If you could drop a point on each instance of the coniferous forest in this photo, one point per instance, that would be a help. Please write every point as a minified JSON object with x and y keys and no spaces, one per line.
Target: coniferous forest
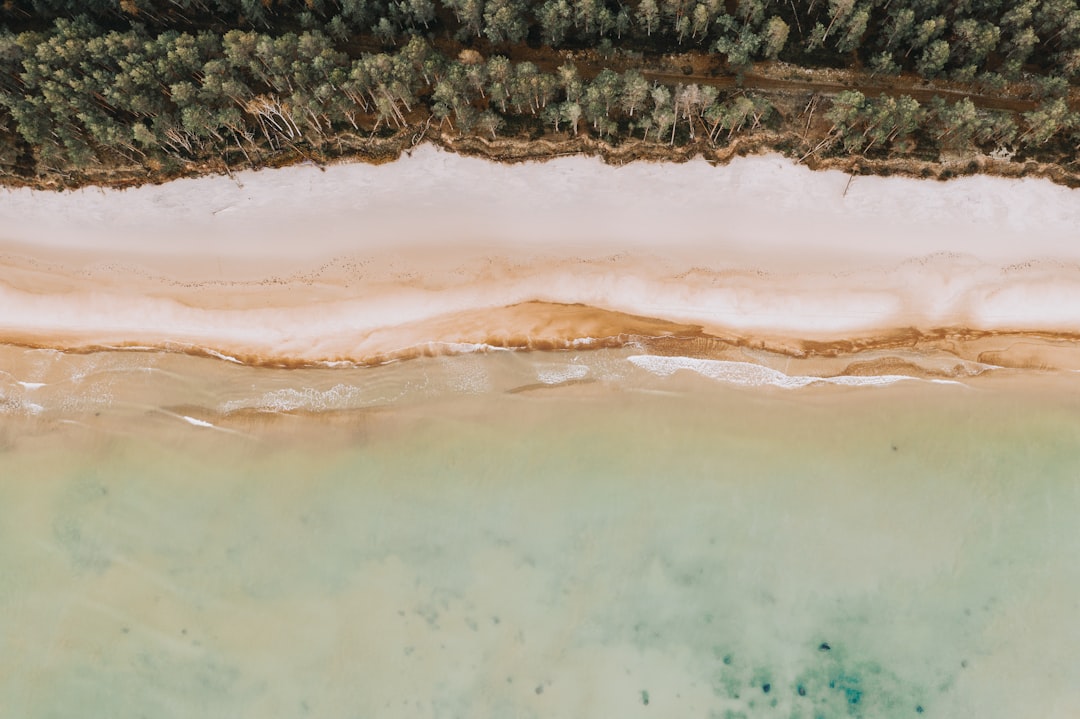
{"x":128,"y":91}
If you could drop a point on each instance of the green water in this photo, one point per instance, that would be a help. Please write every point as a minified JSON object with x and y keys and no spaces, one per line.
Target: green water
{"x":678,"y":548}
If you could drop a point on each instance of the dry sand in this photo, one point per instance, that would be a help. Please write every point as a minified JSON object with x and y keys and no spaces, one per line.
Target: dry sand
{"x":365,"y":263}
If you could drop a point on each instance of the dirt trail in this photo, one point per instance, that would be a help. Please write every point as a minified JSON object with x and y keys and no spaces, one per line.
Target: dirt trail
{"x":709,"y":69}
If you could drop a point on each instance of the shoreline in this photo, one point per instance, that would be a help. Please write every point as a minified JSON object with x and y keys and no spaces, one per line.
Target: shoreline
{"x":112,"y":392}
{"x":363,"y":264}
{"x":939,"y":353}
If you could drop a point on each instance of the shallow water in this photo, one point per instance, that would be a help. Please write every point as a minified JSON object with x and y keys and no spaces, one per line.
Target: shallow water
{"x":532,"y":534}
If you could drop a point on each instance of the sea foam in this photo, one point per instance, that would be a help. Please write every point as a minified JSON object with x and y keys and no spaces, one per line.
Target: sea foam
{"x":340,"y":396}
{"x":557,"y":374}
{"x":748,"y":374}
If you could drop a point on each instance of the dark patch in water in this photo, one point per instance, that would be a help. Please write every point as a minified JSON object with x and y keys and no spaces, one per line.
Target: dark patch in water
{"x":831,"y":684}
{"x":841,"y":686}
{"x":645,"y":697}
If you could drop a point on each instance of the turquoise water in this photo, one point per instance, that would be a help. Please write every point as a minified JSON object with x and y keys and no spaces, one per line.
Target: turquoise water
{"x":420,"y":541}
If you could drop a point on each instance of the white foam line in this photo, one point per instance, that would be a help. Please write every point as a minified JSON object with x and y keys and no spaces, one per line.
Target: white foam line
{"x":558,"y":375}
{"x":748,"y":374}
{"x":340,"y":396}
{"x":456,"y":348}
{"x":448,"y":349}
{"x":220,"y":355}
{"x":172,"y":347}
{"x":194,"y":422}
{"x":14,"y":405}
{"x":130,"y":348}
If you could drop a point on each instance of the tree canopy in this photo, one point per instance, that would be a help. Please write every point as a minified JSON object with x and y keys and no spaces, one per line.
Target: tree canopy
{"x":169,"y":83}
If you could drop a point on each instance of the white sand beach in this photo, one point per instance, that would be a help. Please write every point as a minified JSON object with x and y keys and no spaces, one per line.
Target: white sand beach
{"x":360,"y":262}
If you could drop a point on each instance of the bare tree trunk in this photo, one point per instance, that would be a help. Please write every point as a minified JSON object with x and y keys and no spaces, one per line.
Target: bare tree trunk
{"x":817,"y":147}
{"x":241,"y":148}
